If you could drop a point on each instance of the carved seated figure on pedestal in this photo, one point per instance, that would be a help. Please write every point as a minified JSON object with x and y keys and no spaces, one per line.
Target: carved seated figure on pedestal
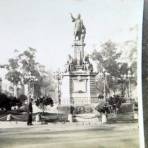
{"x":91,"y":67}
{"x":67,"y":67}
{"x":87,"y":65}
{"x":69,"y":64}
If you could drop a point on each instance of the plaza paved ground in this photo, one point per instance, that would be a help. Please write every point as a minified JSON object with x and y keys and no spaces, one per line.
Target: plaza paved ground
{"x":68,"y":135}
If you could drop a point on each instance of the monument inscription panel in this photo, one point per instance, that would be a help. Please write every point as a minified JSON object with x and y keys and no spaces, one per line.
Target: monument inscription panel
{"x":79,"y":86}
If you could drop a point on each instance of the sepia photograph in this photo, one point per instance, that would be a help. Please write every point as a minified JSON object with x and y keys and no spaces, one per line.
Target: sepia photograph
{"x":70,"y":74}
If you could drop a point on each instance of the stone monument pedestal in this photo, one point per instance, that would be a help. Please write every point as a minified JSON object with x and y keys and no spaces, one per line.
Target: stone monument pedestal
{"x":78,"y":88}
{"x":78,"y":83}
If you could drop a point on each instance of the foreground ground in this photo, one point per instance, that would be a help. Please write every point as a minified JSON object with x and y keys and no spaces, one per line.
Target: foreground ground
{"x":121,"y":135}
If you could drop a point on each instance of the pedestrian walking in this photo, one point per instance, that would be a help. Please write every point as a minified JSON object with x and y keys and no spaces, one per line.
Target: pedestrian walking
{"x":29,"y":111}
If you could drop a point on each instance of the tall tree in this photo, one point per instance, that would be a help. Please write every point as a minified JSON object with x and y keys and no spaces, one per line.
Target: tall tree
{"x":29,"y":69}
{"x":13,"y":75}
{"x":24,"y":69}
{"x":108,"y":64}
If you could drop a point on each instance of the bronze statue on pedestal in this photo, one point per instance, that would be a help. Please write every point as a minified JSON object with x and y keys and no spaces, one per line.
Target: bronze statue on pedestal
{"x":79,"y":28}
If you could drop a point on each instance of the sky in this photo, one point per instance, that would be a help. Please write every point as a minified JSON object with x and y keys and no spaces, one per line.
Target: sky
{"x":46,"y":26}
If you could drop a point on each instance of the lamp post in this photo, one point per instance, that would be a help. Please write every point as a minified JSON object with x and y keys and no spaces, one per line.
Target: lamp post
{"x":58,"y":76}
{"x":129,"y":76}
{"x":124,"y":79}
{"x":31,"y":79}
{"x":104,"y":87}
{"x":105,"y":74}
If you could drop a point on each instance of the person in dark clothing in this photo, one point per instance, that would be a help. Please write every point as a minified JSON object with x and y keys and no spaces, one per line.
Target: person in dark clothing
{"x":30,"y":110}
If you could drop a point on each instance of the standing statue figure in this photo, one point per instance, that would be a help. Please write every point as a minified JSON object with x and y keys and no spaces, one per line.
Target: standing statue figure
{"x":79,"y":28}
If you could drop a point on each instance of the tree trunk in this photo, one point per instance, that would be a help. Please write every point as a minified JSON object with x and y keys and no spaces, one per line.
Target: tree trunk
{"x":26,"y":90}
{"x":15,"y":91}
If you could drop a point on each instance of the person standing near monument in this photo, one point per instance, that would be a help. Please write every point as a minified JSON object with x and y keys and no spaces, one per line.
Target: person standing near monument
{"x":29,"y":111}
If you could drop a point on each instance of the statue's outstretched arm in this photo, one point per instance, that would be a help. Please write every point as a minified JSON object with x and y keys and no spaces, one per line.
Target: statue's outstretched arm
{"x":83,"y":27}
{"x":73,"y":19}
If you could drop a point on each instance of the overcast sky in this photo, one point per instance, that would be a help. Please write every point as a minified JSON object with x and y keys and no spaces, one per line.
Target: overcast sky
{"x":46,"y":26}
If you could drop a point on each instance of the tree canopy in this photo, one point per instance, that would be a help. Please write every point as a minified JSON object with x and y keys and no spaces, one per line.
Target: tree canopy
{"x":24,"y":69}
{"x":112,"y":67}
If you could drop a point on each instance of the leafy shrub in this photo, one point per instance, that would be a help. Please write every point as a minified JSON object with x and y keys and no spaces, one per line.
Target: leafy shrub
{"x":103,"y":107}
{"x":116,"y":101}
{"x":42,"y":102}
{"x":6,"y":102}
{"x":22,"y":98}
{"x":126,"y":107}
